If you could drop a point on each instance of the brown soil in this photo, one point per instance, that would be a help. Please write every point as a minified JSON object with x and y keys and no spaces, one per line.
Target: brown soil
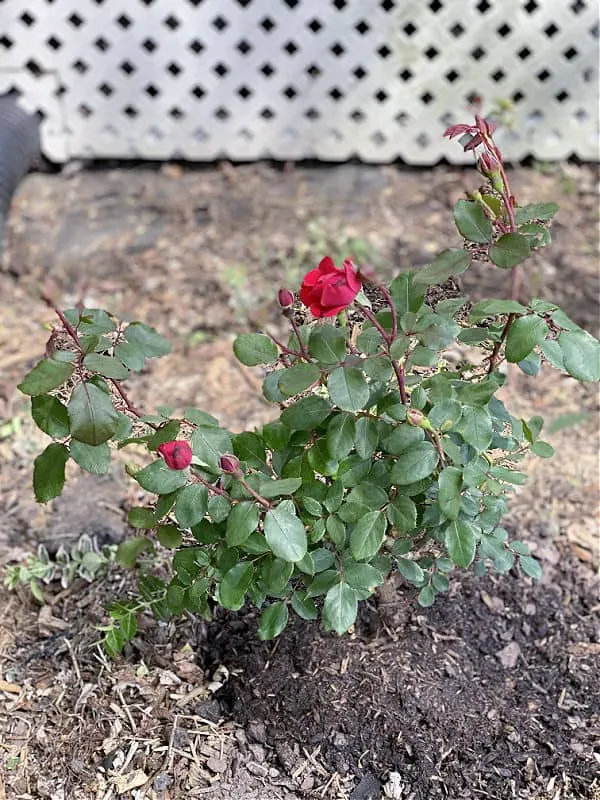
{"x":492,"y":693}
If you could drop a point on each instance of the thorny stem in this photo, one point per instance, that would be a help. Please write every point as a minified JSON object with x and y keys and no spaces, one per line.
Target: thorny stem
{"x":400,"y":377}
{"x":296,"y":329}
{"x":259,"y":498}
{"x":210,"y":486}
{"x":498,"y":344}
{"x":388,"y":338}
{"x":284,"y":350}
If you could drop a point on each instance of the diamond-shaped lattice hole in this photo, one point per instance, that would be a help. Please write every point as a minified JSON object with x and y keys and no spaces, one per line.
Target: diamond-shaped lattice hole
{"x":387,"y":5}
{"x":196,"y":46}
{"x":54,"y":43}
{"x":581,"y":115}
{"x":171,"y":22}
{"x":244,"y":133}
{"x":336,"y":94}
{"x":75,"y":20}
{"x":244,"y":3}
{"x":432,"y":53}
{"x":6,"y":42}
{"x":291,"y":47}
{"x":267,"y":24}
{"x":102,"y":44}
{"x":483,"y":6}
{"x":378,"y":138}
{"x":340,"y":5}
{"x":570,"y":53}
{"x":84,"y":110}
{"x":478,"y":53}
{"x":337,"y":49}
{"x":313,"y":71}
{"x":452,"y":76}
{"x":267,"y":113}
{"x":551,"y":30}
{"x":243,"y":46}
{"x":34,"y":68}
{"x":360,"y":73}
{"x":106,"y":89}
{"x":221,"y":69}
{"x":290,"y":92}
{"x":312,"y":114}
{"x":405,"y":75}
{"x":315,"y":25}
{"x":498,"y":75}
{"x":127,"y":67}
{"x":61,"y":91}
{"x":588,"y":75}
{"x":267,"y":70}
{"x":457,"y":30}
{"x":578,"y":6}
{"x":152,"y":90}
{"x":198,"y":92}
{"x":174,"y":69}
{"x":176,"y":113}
{"x":131,"y":112}
{"x":543,"y":75}
{"x":80,"y":66}
{"x":357,"y":115}
{"x":149,"y":45}
{"x":446,"y":120}
{"x":530,"y":6}
{"x":535,"y":117}
{"x":402,"y":119}
{"x":384,"y":51}
{"x":27,"y":19}
{"x":200,"y":135}
{"x":517,"y":96}
{"x":222,"y":113}
{"x":504,"y":30}
{"x":436,"y":6}
{"x":524,"y":53}
{"x":244,"y":92}
{"x":154,"y":135}
{"x":362,"y":27}
{"x":410,"y":29}
{"x":427,"y":98}
{"x":220,"y":23}
{"x":595,"y":31}
{"x":123,"y":21}
{"x":381,"y":96}
{"x":562,"y":96}
{"x":334,"y":134}
{"x":422,"y":140}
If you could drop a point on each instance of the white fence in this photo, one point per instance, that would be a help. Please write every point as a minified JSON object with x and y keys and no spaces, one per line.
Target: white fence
{"x":292,"y":79}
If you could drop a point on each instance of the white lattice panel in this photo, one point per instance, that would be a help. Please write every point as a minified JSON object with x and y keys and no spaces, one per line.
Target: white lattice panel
{"x":292,"y":79}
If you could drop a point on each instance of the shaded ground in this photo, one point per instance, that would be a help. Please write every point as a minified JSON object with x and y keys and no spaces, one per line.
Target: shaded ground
{"x":492,"y":693}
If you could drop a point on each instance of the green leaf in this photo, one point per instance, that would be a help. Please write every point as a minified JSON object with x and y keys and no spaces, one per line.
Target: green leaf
{"x":460,"y":543}
{"x":129,"y":550}
{"x":400,"y":438}
{"x":336,"y":531}
{"x":241,"y":522}
{"x":327,"y":344}
{"x":402,"y":514}
{"x":471,"y":222}
{"x":481,"y":392}
{"x":531,"y":364}
{"x":406,"y":295}
{"x":250,"y":447}
{"x":50,"y":415}
{"x":218,"y":508}
{"x":414,"y":464}
{"x":142,"y":518}
{"x":92,"y":416}
{"x":348,"y":388}
{"x":581,"y":355}
{"x":91,"y":458}
{"x":108,"y":366}
{"x":450,"y":484}
{"x":234,"y":585}
{"x":531,"y":567}
{"x":510,"y":250}
{"x":147,"y":339}
{"x":334,"y":497}
{"x":475,"y":427}
{"x":168,"y":536}
{"x":444,"y":266}
{"x":131,"y":355}
{"x":538,"y":235}
{"x":426,"y":596}
{"x":90,"y":321}
{"x":191,"y":505}
{"x":272,"y":621}
{"x":159,"y":479}
{"x":542,"y":449}
{"x":448,"y":411}
{"x":341,"y":432}
{"x":523,"y":335}
{"x":411,"y":571}
{"x":49,"y":472}
{"x":362,"y":576}
{"x":47,"y":374}
{"x":367,"y":535}
{"x":366,"y":436}
{"x":553,"y":353}
{"x":304,"y":606}
{"x":297,"y":378}
{"x":276,"y":435}
{"x":252,"y":349}
{"x":531,"y":211}
{"x":320,"y":460}
{"x":277,"y":488}
{"x":490,"y":308}
{"x":285,"y":533}
{"x":340,"y":607}
{"x":209,"y":443}
{"x":307,"y":413}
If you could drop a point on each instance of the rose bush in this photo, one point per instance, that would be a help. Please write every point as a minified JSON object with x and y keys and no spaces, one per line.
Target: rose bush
{"x":381,"y":456}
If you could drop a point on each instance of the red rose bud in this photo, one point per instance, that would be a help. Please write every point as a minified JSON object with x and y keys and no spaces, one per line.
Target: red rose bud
{"x":177,"y":454}
{"x":328,"y":290}
{"x":231,"y":465}
{"x":285,"y":298}
{"x":489,"y":166}
{"x":418,"y":419}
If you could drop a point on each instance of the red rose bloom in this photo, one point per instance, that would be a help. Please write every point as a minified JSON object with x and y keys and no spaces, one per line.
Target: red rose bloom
{"x":177,"y":454}
{"x":327,"y":290}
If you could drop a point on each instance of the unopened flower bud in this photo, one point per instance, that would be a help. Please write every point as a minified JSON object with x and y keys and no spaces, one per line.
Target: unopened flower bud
{"x":489,"y":166}
{"x":418,"y":419}
{"x":177,"y":454}
{"x":231,"y":465}
{"x":285,"y":298}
